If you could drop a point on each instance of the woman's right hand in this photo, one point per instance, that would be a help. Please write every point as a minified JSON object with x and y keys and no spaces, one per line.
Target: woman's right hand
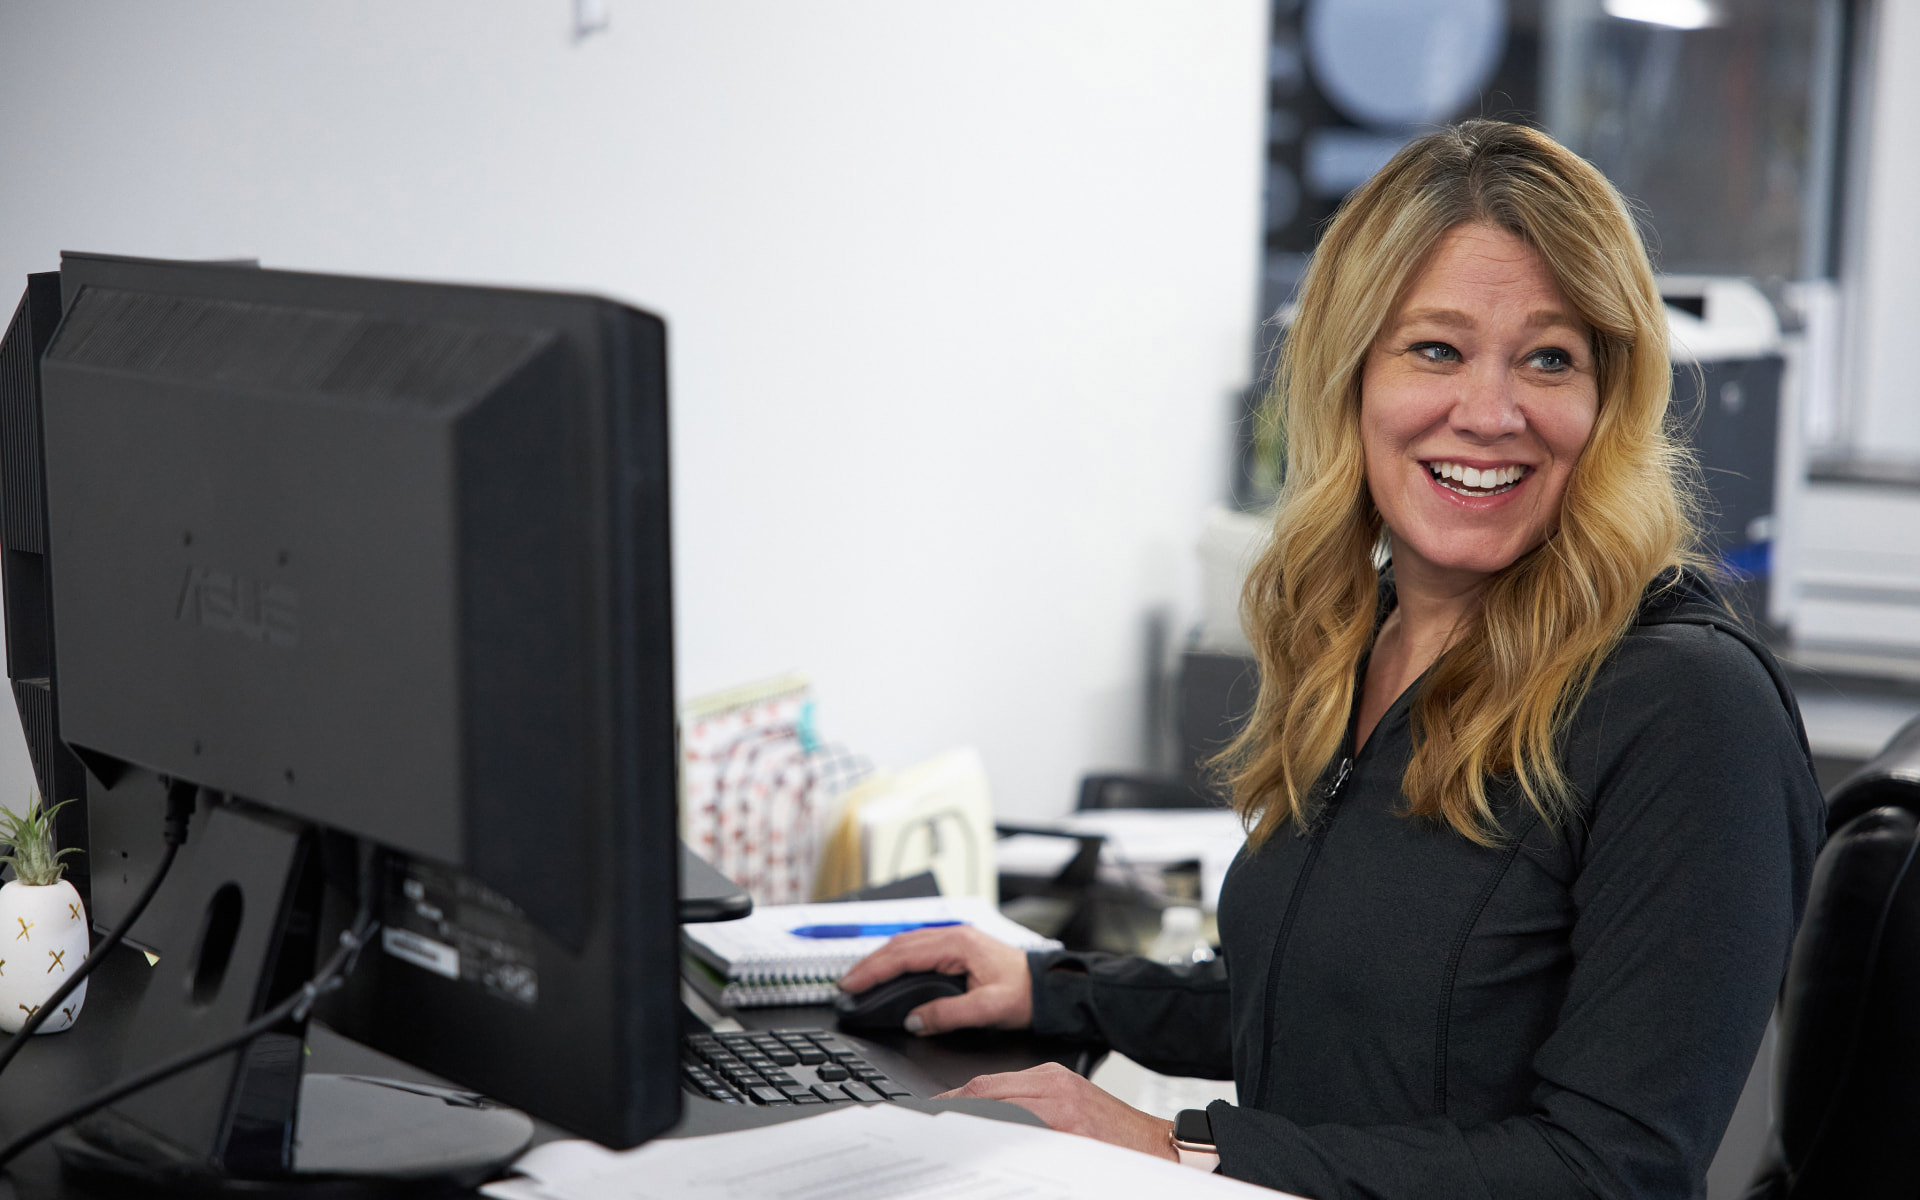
{"x":999,"y":992}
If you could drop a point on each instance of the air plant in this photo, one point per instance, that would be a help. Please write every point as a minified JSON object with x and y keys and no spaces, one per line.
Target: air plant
{"x":35,"y":862}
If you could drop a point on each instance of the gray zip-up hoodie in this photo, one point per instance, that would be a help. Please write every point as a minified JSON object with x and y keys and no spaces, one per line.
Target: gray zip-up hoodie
{"x":1573,"y":1013}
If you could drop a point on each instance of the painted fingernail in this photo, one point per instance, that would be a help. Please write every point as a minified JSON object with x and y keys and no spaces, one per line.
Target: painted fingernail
{"x":914,"y":1024}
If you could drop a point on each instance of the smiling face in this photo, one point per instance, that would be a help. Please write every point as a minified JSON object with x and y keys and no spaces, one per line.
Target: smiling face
{"x":1475,"y":402}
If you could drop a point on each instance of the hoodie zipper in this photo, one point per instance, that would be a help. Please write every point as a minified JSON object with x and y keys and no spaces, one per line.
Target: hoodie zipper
{"x":1331,"y":813}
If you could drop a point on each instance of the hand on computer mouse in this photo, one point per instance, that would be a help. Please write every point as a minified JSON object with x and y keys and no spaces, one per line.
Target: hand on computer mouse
{"x":999,"y":993}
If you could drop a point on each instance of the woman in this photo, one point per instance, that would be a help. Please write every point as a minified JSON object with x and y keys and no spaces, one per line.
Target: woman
{"x":1530,"y":820}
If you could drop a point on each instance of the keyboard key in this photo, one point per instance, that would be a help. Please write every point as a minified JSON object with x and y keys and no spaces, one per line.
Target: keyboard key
{"x":758,"y":1064}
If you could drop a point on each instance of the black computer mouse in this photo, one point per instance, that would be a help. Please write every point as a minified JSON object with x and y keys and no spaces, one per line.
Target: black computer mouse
{"x":886,"y":1005}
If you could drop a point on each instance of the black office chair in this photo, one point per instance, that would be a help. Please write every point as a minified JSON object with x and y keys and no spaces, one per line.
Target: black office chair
{"x":1121,"y":790}
{"x":1210,"y":699}
{"x":1847,"y":1076}
{"x":1893,"y":777}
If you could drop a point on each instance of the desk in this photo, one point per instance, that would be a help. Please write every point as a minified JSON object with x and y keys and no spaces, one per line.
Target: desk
{"x":61,"y":1068}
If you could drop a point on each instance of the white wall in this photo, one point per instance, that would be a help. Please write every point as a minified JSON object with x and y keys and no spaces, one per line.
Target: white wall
{"x":956,"y":292}
{"x":1884,"y":301}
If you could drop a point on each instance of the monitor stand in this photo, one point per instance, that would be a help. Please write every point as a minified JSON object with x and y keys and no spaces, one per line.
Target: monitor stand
{"x":354,"y":1137}
{"x":243,"y":921}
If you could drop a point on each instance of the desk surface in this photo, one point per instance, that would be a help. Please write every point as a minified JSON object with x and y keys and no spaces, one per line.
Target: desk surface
{"x":61,"y":1068}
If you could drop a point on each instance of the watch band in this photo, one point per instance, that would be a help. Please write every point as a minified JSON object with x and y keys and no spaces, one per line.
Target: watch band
{"x":1195,"y":1149}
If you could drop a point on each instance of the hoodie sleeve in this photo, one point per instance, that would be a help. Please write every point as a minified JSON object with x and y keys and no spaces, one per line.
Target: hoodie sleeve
{"x":1167,"y":1019}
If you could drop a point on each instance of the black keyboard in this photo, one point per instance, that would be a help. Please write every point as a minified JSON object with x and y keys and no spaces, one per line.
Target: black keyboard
{"x":790,"y":1066}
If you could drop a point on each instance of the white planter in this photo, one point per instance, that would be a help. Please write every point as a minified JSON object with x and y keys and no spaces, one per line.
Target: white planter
{"x":43,"y":936}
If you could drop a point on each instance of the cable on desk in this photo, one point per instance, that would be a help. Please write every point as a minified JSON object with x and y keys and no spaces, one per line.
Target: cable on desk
{"x":295,"y":1007}
{"x":180,"y":798}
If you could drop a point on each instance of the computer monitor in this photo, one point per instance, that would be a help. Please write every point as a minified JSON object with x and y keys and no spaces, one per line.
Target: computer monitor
{"x":373,"y":565}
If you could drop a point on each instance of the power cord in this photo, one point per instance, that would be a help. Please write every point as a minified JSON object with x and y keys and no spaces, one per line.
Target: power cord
{"x":295,"y":1007}
{"x":180,"y":798}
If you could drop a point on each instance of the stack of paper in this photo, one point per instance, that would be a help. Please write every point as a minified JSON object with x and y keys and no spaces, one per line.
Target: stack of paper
{"x":878,"y":1152}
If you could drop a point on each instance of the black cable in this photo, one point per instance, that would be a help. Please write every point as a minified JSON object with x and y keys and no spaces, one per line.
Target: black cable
{"x":296,"y":1007}
{"x":180,"y":798}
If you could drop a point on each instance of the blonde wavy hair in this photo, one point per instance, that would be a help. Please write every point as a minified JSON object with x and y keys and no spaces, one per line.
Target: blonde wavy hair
{"x":1495,"y":701}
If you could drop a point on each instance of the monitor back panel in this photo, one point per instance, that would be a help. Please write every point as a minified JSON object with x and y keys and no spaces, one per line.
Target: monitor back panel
{"x":392,"y":558}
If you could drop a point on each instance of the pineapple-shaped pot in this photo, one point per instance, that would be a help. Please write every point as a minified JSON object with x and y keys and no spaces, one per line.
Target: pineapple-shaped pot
{"x":43,"y":928}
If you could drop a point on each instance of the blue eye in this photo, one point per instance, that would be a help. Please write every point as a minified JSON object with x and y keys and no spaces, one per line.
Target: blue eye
{"x":1438,"y":352}
{"x":1551,"y":359}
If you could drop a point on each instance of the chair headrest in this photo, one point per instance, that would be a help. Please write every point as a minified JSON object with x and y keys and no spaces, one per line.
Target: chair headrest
{"x":1891,"y":779}
{"x":1847,"y":1076}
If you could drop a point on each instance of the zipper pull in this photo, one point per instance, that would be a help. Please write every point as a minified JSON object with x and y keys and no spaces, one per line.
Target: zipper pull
{"x":1329,"y":800}
{"x":1340,"y":780}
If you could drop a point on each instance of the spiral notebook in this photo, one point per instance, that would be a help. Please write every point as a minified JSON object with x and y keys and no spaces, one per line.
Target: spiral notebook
{"x":759,"y":961}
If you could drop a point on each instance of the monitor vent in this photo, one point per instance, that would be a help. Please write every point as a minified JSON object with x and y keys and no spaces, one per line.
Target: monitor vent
{"x":274,"y":348}
{"x":20,"y":434}
{"x":34,"y":699}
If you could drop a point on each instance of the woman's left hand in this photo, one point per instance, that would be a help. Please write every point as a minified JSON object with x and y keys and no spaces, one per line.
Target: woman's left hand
{"x":1072,"y":1104}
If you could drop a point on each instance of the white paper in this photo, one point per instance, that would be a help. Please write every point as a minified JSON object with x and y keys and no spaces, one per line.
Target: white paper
{"x":879,"y":1152}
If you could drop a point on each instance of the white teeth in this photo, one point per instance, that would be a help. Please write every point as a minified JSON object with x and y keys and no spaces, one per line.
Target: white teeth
{"x":1492,"y":479}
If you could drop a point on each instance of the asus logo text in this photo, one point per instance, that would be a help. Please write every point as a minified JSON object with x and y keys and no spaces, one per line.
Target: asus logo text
{"x":226,"y":602}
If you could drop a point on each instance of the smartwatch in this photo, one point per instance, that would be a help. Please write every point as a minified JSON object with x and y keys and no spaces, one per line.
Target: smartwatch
{"x":1192,"y":1139}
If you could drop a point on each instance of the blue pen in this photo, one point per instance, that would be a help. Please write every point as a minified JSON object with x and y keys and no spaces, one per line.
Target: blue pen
{"x":853,"y":931}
